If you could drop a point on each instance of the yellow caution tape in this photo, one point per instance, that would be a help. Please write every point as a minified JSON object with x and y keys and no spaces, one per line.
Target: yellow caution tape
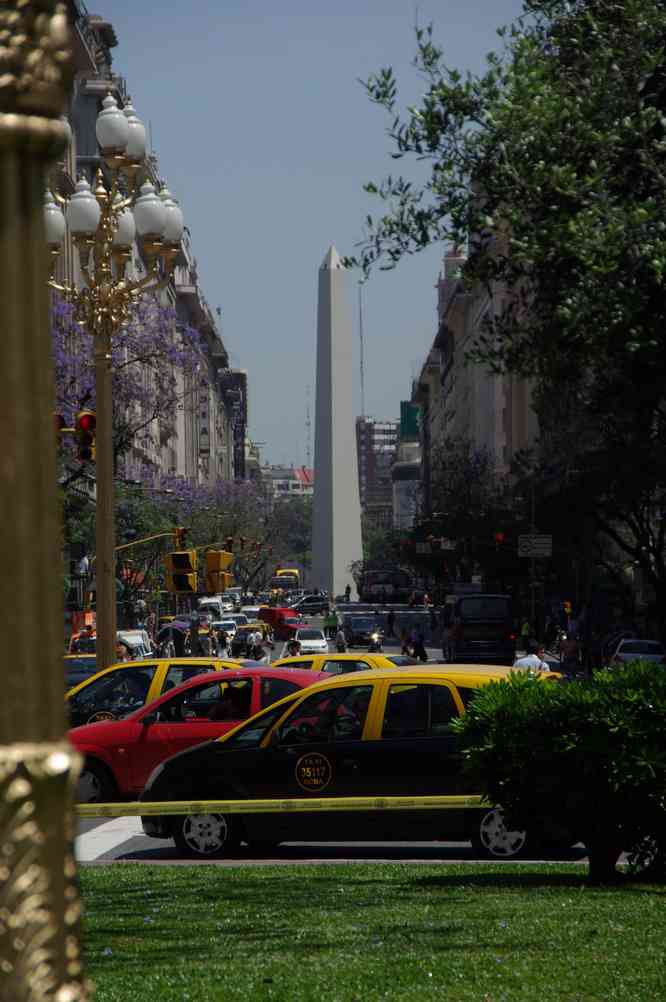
{"x":334,"y":804}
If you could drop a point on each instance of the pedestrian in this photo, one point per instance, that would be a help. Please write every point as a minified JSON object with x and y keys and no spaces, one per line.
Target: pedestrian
{"x":404,"y":642}
{"x":390,"y":624}
{"x":525,"y":632}
{"x":193,"y":641}
{"x":222,"y":644}
{"x":418,"y":646}
{"x":330,"y":623}
{"x":291,"y":649}
{"x":340,"y":641}
{"x":534,"y":659}
{"x":347,"y":593}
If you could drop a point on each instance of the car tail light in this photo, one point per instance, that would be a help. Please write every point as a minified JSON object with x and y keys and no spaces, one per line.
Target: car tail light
{"x":511,"y":636}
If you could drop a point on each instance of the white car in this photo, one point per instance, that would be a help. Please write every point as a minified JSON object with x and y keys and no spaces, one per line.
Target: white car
{"x":228,"y":625}
{"x":312,"y":641}
{"x":251,"y":611}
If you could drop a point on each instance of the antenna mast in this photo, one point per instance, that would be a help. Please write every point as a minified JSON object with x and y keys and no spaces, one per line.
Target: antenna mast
{"x":308,"y":429}
{"x":360,"y":333}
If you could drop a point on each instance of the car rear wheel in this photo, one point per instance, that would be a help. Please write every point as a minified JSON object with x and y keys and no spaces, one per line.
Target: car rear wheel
{"x":96,"y":784}
{"x":492,"y":839}
{"x":205,"y":836}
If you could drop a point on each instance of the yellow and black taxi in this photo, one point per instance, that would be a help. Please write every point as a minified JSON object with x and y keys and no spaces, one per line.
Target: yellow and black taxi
{"x":340,"y":664}
{"x":377,"y":733}
{"x":123,"y":688}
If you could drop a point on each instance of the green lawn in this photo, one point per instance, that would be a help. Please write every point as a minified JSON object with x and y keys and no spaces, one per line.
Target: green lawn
{"x":359,"y":933}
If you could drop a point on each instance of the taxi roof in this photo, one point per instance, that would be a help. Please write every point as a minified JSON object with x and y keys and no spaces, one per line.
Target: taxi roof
{"x":232,"y":663}
{"x":459,"y":674}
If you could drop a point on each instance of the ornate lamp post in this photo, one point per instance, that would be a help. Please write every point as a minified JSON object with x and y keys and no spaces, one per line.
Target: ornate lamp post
{"x":104,"y":224}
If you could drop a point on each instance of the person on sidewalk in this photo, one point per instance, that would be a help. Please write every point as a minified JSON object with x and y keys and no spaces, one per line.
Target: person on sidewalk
{"x":534,"y":659}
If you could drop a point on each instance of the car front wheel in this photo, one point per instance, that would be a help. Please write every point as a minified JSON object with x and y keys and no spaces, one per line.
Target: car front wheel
{"x":96,"y":785}
{"x":492,"y":839}
{"x":205,"y":836}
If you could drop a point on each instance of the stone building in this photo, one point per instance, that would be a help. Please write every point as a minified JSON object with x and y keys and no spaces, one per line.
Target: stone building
{"x":201,"y":437}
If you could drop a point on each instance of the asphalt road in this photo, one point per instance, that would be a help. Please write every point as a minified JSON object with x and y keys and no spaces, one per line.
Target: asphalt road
{"x":103,"y":841}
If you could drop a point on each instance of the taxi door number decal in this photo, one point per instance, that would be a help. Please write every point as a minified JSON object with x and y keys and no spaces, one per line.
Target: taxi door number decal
{"x":313,"y":772}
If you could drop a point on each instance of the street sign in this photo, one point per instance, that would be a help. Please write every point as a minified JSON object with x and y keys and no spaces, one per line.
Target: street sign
{"x":535,"y":546}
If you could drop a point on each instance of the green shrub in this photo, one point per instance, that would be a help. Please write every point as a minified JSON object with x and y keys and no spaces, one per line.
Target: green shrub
{"x":582,"y":760}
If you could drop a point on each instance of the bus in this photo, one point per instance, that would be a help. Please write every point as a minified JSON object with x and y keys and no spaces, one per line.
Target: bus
{"x":286,"y":579}
{"x":392,"y":584}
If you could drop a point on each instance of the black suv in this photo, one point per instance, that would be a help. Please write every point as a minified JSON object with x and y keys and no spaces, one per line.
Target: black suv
{"x":480,"y":630}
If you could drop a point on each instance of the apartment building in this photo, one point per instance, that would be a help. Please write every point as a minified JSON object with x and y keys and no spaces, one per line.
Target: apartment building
{"x":376,"y":444}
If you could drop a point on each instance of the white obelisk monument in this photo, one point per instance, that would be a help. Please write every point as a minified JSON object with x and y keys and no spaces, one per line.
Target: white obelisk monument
{"x":336,"y":525}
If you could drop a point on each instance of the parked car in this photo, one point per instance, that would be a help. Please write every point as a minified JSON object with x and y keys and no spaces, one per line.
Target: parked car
{"x":632,"y":649}
{"x":119,"y":755}
{"x":312,"y":641}
{"x":311,"y":604}
{"x":123,"y":688}
{"x":372,"y":734}
{"x":340,"y":664}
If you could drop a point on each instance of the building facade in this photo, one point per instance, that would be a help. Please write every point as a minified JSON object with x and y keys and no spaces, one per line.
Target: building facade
{"x":199,"y":435}
{"x":376,"y":443}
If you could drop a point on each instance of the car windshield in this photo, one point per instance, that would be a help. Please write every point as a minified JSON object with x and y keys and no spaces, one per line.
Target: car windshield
{"x":493,"y":607}
{"x":641,"y":647}
{"x":252,"y":734}
{"x":310,"y":635}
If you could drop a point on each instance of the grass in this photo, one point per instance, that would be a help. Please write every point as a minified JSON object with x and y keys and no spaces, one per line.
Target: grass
{"x":360,"y":933}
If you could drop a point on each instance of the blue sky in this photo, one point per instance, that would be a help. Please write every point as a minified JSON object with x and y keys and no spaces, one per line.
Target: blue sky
{"x":266,"y":137}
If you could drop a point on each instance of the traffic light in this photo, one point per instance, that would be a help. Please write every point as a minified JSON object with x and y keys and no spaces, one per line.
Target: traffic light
{"x":181,"y":572}
{"x":567,"y":607}
{"x":179,"y":537}
{"x":218,"y":563}
{"x":85,"y":428}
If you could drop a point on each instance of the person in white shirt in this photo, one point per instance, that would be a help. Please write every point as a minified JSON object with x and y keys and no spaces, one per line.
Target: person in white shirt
{"x":533,"y":660}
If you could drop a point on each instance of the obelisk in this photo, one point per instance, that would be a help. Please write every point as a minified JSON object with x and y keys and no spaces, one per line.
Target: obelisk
{"x":336,"y":524}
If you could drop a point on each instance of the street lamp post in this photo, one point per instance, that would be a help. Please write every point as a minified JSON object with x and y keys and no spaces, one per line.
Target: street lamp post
{"x":104,"y":223}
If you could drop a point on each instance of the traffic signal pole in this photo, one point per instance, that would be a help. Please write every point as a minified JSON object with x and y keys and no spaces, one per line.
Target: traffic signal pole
{"x":105,"y":563}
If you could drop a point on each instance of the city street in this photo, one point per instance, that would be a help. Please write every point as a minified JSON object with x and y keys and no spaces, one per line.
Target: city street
{"x":122,"y":840}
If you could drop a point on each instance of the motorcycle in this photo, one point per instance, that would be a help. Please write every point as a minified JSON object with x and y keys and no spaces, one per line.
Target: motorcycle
{"x":376,"y":640}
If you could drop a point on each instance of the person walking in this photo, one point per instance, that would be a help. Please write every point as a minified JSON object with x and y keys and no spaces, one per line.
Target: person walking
{"x":330,"y":623}
{"x":534,"y":659}
{"x":340,"y":641}
{"x":419,"y":646}
{"x":404,"y":642}
{"x":347,"y":593}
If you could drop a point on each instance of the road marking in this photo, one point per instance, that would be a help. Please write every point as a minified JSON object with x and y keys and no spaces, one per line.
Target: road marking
{"x":102,"y":839}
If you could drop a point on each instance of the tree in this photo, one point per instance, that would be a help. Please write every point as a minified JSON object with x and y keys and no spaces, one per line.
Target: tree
{"x":154,"y":362}
{"x":550,"y":166}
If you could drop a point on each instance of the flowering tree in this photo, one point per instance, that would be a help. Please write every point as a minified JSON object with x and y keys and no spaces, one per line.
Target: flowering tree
{"x":153,"y":362}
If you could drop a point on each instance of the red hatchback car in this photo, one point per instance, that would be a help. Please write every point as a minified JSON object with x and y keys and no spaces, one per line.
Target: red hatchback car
{"x":121,"y":754}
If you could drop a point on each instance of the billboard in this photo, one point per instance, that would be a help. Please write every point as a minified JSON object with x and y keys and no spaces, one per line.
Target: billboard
{"x":410,"y":421}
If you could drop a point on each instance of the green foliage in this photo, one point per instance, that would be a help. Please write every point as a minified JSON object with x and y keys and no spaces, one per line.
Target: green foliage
{"x":589,"y":756}
{"x":549,"y":166}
